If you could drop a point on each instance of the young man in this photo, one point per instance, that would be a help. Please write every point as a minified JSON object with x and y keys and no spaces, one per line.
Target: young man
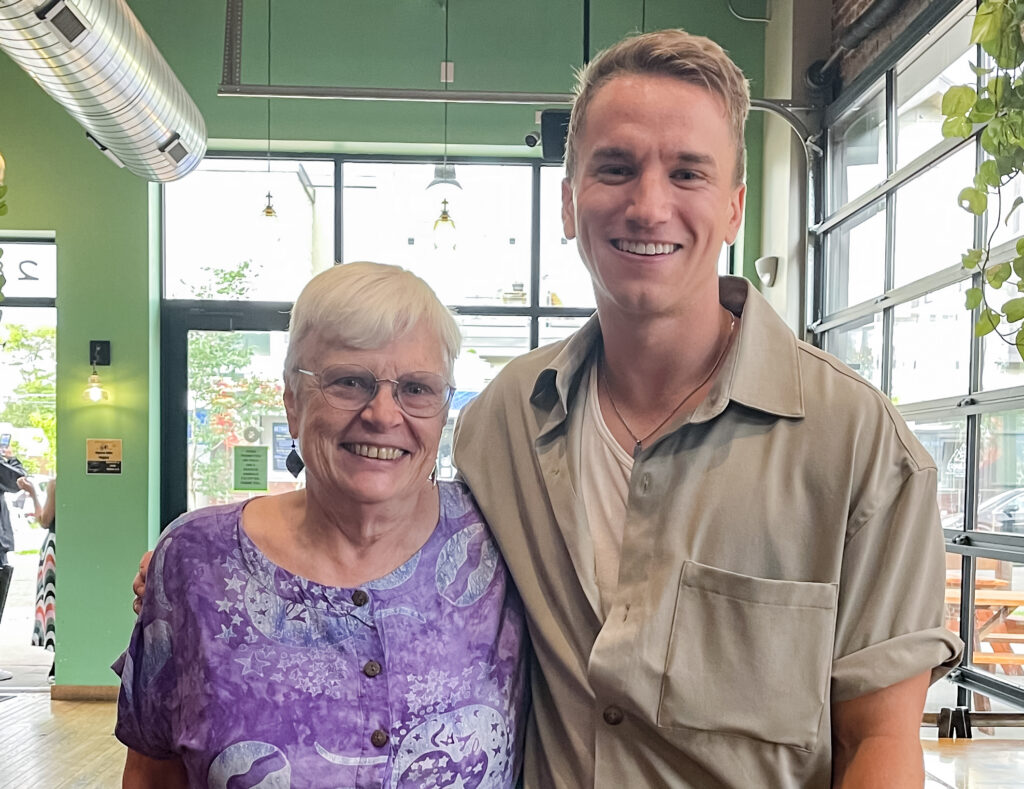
{"x":727,"y":543}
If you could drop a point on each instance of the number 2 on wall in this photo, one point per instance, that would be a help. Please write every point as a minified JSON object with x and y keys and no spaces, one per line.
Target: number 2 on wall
{"x":26,"y":275}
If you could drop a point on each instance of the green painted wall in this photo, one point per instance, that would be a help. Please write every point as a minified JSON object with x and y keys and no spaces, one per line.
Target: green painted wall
{"x":106,"y":221}
{"x":98,"y":214}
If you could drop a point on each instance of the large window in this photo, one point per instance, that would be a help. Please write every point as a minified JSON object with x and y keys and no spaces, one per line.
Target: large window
{"x":890,"y":302}
{"x":215,"y":224}
{"x":231,"y":273}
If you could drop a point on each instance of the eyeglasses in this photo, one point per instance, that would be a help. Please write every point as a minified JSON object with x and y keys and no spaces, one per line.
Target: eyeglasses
{"x":352,"y":387}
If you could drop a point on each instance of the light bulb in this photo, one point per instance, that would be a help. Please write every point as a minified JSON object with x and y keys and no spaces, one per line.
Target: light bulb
{"x":95,"y":392}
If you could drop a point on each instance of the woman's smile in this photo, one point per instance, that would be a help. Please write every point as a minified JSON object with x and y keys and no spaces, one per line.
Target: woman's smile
{"x":375,"y":452}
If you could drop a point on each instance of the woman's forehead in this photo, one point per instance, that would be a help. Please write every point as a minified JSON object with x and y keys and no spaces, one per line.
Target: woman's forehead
{"x":417,"y":346}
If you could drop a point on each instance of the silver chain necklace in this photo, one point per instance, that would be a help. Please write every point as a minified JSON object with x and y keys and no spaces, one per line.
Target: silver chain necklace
{"x":638,"y":442}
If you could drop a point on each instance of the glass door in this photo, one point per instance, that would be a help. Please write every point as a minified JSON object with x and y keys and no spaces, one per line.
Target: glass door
{"x":237,"y":434}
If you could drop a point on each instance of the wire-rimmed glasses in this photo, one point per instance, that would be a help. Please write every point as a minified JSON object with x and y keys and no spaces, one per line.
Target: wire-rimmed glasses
{"x":352,"y":387}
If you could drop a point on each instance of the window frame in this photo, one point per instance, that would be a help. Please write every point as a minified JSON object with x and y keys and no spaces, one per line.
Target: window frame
{"x":974,"y":402}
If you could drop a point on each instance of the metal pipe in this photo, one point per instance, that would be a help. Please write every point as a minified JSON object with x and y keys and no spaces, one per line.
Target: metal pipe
{"x":877,"y":14}
{"x":766,"y":18}
{"x":94,"y":58}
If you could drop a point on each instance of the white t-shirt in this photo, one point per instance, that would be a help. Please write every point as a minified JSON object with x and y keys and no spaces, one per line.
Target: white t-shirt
{"x":605,"y":468}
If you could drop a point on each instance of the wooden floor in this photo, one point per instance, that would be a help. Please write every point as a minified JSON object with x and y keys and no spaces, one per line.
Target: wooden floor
{"x":979,"y":763}
{"x":69,"y":745}
{"x":58,"y":744}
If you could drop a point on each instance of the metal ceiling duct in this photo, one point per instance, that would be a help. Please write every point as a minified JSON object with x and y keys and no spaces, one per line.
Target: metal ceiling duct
{"x":95,"y":59}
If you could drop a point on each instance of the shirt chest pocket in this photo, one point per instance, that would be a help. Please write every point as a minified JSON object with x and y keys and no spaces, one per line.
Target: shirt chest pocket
{"x":748,"y":656}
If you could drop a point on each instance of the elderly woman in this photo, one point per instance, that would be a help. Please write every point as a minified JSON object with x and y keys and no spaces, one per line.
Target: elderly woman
{"x":360,"y":632}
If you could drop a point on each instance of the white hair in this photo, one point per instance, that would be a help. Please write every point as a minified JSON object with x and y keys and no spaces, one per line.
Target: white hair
{"x":367,"y":305}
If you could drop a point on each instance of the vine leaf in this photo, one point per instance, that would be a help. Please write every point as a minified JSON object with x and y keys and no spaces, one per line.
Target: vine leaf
{"x":958,"y":100}
{"x":1014,"y":309}
{"x":987,"y":322}
{"x":973,"y":298}
{"x":972,"y":257}
{"x":956,"y":127}
{"x":988,"y":174}
{"x":1020,"y":342}
{"x":988,"y":23}
{"x":973,"y":200}
{"x":1017,"y":203}
{"x":998,"y":274}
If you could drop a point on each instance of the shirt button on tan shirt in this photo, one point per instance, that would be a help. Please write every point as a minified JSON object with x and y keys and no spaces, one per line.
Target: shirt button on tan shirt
{"x":612,"y":715}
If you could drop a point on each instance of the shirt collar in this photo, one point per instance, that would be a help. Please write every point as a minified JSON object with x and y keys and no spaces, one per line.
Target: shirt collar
{"x":761,"y":371}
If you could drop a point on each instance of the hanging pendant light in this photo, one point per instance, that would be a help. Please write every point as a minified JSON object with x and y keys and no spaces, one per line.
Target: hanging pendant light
{"x":268,"y":210}
{"x":444,"y":229}
{"x":444,"y":173}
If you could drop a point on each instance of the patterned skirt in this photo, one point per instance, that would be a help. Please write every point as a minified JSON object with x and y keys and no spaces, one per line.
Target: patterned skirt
{"x":43,"y":631}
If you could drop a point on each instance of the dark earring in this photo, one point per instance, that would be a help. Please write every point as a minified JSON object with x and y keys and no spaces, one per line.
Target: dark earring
{"x":293,"y":462}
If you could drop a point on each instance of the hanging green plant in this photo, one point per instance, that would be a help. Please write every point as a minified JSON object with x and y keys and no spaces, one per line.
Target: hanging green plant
{"x":996,"y":104}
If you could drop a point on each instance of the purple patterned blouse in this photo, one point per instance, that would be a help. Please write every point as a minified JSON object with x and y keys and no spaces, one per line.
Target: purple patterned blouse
{"x":254,"y":676}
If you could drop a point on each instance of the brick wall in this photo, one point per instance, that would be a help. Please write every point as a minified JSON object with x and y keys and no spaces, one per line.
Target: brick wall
{"x":844,"y":12}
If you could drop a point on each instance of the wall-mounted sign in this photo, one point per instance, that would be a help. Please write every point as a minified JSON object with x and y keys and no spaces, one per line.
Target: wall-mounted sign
{"x":30,"y":269}
{"x":250,"y":467}
{"x":282,"y":442}
{"x":103,"y":456}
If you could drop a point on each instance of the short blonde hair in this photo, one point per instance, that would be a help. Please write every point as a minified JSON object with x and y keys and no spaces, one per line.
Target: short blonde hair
{"x":673,"y":53}
{"x":367,"y":305}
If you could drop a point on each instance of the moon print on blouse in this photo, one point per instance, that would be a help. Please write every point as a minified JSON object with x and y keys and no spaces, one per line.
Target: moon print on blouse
{"x":348,"y":761}
{"x":254,"y":763}
{"x":466,"y":747}
{"x":292,"y":623}
{"x":466,"y":565}
{"x":396,"y":577}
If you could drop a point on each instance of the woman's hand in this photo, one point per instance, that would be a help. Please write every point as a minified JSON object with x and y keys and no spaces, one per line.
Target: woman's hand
{"x":139,"y":582}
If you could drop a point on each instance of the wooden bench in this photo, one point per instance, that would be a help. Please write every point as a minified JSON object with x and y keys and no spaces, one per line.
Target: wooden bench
{"x":1005,"y":638}
{"x":998,"y":659}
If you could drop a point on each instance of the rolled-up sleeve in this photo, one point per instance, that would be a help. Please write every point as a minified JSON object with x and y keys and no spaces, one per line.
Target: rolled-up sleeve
{"x":890,"y":621}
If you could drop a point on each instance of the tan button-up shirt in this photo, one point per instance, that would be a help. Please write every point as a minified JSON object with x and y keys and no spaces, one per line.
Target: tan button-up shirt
{"x":782,"y":552}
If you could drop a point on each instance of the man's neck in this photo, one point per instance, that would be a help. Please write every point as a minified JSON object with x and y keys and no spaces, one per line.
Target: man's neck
{"x":664,"y":352}
{"x":656,"y":368}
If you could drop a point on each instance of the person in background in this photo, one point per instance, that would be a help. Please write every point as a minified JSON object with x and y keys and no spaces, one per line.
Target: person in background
{"x":44,"y":632}
{"x":361,"y":631}
{"x":12,"y":479}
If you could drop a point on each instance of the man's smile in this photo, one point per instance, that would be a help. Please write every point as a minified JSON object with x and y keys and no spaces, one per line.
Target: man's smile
{"x":645,"y":247}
